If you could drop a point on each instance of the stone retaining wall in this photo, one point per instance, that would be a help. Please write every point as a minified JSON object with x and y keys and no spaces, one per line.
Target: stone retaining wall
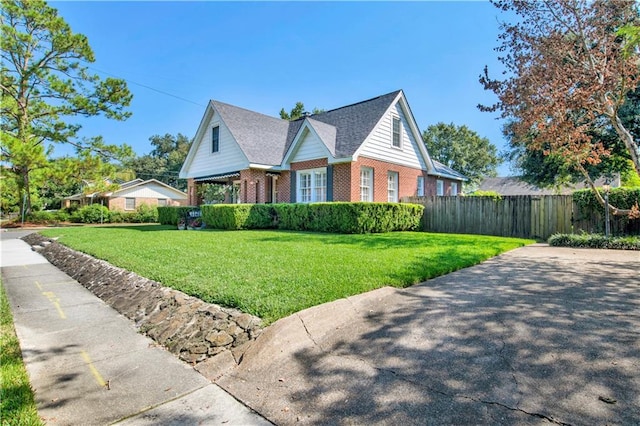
{"x":188,"y":327}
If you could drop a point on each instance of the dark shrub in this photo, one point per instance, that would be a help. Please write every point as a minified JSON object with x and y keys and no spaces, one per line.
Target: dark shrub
{"x":594,"y":241}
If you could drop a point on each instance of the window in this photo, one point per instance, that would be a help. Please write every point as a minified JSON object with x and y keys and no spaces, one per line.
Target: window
{"x":454,"y":188}
{"x":366,"y":184}
{"x":215,"y":139}
{"x":439,"y":188}
{"x":162,"y":202}
{"x":392,"y":187}
{"x":420,"y":186}
{"x":312,"y":185}
{"x":129,"y":203}
{"x":396,"y":140}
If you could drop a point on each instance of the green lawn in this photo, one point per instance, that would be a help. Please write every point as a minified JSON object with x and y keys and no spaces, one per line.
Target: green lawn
{"x":17,"y":406}
{"x":273,"y":274}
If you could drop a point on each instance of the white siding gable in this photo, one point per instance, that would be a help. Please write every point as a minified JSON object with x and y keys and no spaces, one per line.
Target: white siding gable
{"x":150,"y":190}
{"x":309,"y":147}
{"x":378,"y":143}
{"x":229,"y":157}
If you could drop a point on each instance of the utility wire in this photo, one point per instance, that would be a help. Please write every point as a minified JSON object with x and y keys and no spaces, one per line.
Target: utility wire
{"x":146,"y":87}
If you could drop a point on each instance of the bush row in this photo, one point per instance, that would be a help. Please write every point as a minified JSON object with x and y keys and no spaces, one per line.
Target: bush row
{"x":337,"y":217}
{"x":170,"y":215}
{"x":594,"y":241}
{"x":95,"y":213}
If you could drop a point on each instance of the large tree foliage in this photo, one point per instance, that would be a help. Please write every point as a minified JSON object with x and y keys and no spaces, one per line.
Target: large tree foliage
{"x":567,"y":71}
{"x":44,"y":85}
{"x":463,"y":150}
{"x":164,"y":161}
{"x":552,"y":170}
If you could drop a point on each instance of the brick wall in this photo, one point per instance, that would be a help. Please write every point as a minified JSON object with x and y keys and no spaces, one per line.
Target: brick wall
{"x":407,"y":179}
{"x":118,"y":203}
{"x":253,"y":186}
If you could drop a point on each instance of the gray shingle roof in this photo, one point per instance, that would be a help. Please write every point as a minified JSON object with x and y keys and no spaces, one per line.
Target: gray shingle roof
{"x":262,"y":138}
{"x":327,"y":133}
{"x":513,"y":185}
{"x":355,"y":122}
{"x":446,"y":171}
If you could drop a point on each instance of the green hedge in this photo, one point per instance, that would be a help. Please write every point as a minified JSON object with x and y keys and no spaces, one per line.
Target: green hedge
{"x":169,"y":215}
{"x":622,"y":198}
{"x":594,"y":241}
{"x":337,"y":217}
{"x":238,"y":216}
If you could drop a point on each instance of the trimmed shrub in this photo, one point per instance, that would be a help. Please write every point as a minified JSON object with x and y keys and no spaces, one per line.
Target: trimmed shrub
{"x":119,"y":216}
{"x":238,"y":216}
{"x":93,"y":213}
{"x":596,"y":241}
{"x":338,"y":217}
{"x":168,"y":215}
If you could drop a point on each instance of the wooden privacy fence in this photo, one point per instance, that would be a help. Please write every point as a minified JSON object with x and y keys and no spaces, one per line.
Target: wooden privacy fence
{"x":524,"y":216}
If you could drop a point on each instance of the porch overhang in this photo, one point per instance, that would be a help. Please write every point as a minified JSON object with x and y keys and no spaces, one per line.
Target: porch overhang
{"x":218,"y":178}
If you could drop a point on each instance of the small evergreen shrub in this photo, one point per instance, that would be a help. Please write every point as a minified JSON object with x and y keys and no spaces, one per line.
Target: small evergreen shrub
{"x":93,"y":213}
{"x":238,"y":216}
{"x":596,"y":241}
{"x":145,"y":214}
{"x":169,"y":215}
{"x":119,"y":216}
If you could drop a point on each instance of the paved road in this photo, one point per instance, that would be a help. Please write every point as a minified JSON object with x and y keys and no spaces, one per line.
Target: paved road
{"x":538,"y":335}
{"x":87,"y":363}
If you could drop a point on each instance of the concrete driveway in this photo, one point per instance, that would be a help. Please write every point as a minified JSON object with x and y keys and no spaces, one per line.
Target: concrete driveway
{"x":538,"y":335}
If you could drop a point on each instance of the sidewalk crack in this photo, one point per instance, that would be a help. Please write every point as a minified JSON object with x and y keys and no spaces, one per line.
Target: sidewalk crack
{"x":309,"y":334}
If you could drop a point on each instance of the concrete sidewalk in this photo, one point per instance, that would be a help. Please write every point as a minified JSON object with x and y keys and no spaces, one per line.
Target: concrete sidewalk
{"x":88,"y":365}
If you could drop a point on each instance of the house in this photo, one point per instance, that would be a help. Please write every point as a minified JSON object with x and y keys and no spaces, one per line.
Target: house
{"x":132,"y":194}
{"x":513,"y":185}
{"x":368,"y":151}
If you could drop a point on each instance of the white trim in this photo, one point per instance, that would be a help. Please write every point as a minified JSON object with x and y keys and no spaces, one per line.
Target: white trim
{"x":369,"y":193}
{"x":439,"y":188}
{"x":393,"y":198}
{"x":312,"y":173}
{"x":157,"y":182}
{"x":420,"y":186}
{"x":293,"y":149}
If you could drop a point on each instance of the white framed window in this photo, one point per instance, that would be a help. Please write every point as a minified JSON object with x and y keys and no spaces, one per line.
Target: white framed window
{"x":454,"y":188}
{"x":215,"y":139}
{"x":312,"y":185}
{"x":366,"y":184}
{"x":396,"y":137}
{"x":420,"y":186}
{"x":162,"y":202}
{"x":129,"y":203}
{"x":439,"y":187}
{"x":392,"y":187}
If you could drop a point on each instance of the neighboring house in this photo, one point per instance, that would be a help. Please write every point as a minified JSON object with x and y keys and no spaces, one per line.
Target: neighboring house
{"x":132,"y":194}
{"x":513,"y":185}
{"x":368,"y":151}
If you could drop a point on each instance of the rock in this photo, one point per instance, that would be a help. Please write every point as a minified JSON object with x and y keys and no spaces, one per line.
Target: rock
{"x":195,"y":331}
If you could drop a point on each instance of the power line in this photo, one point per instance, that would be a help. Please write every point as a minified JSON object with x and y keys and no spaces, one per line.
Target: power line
{"x":146,"y":87}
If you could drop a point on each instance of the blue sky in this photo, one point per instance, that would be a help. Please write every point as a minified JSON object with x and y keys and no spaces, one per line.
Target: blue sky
{"x":265,"y":56}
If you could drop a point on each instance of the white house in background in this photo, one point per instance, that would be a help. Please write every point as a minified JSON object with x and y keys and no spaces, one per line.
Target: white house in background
{"x":368,"y":151}
{"x":132,"y":194}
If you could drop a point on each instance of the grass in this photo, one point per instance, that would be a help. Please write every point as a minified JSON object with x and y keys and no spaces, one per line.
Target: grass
{"x":17,"y":405}
{"x":273,"y":274}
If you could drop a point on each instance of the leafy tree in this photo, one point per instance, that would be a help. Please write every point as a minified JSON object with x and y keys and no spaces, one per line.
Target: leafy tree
{"x":296,"y":112}
{"x":44,"y":85}
{"x":164,"y":161}
{"x":87,"y":172}
{"x":552,"y":170}
{"x":463,"y":150}
{"x":568,"y":71}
